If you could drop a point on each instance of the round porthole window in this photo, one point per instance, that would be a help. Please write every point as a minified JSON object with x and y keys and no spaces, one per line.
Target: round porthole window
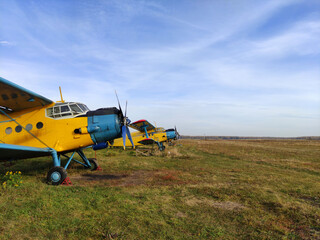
{"x":39,"y":125}
{"x":18,"y":129}
{"x":8,"y":130}
{"x":29,"y":127}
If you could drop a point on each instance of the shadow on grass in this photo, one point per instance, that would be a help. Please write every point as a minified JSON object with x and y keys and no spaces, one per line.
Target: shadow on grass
{"x":30,"y":166}
{"x":33,"y":166}
{"x":94,"y":177}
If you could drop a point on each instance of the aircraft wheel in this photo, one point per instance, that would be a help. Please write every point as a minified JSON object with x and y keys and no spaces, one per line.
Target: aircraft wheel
{"x":56,"y":175}
{"x":94,"y":164}
{"x":162,"y":148}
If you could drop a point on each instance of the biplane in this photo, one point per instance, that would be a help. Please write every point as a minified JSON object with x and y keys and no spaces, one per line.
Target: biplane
{"x":34,"y":126}
{"x":147,"y":134}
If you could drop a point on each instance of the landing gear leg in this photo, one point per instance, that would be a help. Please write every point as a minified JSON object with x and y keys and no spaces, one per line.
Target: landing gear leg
{"x":161,"y":146}
{"x":89,"y":162}
{"x":94,"y":164}
{"x":57,"y":174}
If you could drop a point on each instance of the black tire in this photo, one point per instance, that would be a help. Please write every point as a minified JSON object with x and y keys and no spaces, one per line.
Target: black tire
{"x":94,"y":164}
{"x":56,"y":175}
{"x":162,"y":148}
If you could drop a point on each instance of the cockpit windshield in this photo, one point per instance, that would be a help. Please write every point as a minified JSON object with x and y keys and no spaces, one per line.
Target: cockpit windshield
{"x":66,"y":110}
{"x":75,"y":108}
{"x":83,"y":107}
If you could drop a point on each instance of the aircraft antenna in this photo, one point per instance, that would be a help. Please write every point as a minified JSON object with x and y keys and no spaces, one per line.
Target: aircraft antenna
{"x":61,"y":95}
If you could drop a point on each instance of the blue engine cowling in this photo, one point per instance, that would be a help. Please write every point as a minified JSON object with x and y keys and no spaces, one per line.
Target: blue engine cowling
{"x":171,"y":134}
{"x":104,"y":125}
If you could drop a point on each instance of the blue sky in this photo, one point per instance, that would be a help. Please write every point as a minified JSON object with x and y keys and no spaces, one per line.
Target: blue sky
{"x":247,"y":68}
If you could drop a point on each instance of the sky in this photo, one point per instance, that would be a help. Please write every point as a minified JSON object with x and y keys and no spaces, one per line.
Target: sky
{"x":219,"y":67}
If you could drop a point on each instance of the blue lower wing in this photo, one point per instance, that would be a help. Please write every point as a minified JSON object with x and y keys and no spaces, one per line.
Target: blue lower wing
{"x":13,"y":152}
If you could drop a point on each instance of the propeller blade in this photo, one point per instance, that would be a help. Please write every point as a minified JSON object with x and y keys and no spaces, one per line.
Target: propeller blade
{"x":125,"y":112}
{"x":124,"y":134}
{"x":124,"y":124}
{"x":129,"y":136}
{"x":118,"y":102}
{"x":176,"y":131}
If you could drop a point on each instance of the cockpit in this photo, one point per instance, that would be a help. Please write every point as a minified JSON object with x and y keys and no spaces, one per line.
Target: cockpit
{"x":159,"y":129}
{"x":66,"y":110}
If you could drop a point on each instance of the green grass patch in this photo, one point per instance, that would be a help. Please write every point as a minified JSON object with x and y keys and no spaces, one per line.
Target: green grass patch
{"x":218,"y":189}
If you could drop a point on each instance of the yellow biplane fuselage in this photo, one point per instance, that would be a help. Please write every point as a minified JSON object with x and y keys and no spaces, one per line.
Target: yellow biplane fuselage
{"x":55,"y":133}
{"x":157,"y":134}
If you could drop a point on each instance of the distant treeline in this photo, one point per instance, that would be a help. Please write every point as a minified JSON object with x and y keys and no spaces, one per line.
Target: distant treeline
{"x":237,"y":137}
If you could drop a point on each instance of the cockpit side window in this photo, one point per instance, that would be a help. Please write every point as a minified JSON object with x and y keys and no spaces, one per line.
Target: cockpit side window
{"x":56,"y":110}
{"x":65,"y":108}
{"x":49,"y":112}
{"x":65,"y":111}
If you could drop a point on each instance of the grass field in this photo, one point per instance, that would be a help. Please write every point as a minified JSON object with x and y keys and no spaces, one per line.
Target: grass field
{"x":218,"y":189}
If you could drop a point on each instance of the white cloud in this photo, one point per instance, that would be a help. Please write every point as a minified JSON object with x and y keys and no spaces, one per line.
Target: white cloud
{"x":6,"y":43}
{"x":301,"y":39}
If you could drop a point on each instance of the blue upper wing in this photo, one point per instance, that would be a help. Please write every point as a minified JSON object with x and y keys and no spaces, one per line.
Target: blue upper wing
{"x":15,"y":98}
{"x":12,"y":152}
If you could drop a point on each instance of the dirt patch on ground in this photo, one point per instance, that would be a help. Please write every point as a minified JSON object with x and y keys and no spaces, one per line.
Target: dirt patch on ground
{"x":181,"y":215}
{"x":228,"y":205}
{"x":139,"y":177}
{"x":134,"y":178}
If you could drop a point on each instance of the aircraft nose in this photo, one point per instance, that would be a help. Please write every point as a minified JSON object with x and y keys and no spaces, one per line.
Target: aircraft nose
{"x":171,"y":134}
{"x":104,"y":124}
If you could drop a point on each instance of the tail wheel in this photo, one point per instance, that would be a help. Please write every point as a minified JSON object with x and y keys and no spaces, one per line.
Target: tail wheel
{"x":56,"y":175}
{"x":94,"y":164}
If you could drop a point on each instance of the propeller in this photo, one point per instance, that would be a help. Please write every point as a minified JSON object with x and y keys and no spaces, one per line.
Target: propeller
{"x":125,"y":121}
{"x":176,"y":132}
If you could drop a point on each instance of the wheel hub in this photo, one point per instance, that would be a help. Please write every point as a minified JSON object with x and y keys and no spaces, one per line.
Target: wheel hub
{"x":55,"y":176}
